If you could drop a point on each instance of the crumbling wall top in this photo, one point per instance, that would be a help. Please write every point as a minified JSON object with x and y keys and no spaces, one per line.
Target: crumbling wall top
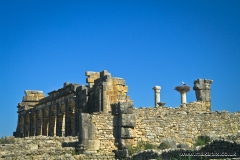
{"x":32,"y":96}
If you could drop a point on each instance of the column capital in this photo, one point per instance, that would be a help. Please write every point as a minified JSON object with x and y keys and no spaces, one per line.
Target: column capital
{"x":156,"y":88}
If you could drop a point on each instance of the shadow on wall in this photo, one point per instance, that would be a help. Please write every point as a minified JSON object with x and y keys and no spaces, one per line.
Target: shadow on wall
{"x":217,"y":149}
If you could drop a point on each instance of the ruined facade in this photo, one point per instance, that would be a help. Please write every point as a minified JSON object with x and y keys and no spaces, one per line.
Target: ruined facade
{"x":58,"y":113}
{"x":104,"y":118}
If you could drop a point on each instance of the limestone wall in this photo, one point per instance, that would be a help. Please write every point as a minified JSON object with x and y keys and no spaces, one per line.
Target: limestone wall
{"x":43,"y":147}
{"x":102,"y":91}
{"x":38,"y":147}
{"x":183,"y":124}
{"x":104,"y":131}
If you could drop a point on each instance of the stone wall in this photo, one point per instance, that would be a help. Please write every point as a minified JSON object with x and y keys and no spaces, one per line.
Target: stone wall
{"x":104,"y":131}
{"x":49,"y":148}
{"x":101,"y":92}
{"x":183,"y":124}
{"x":104,"y":117}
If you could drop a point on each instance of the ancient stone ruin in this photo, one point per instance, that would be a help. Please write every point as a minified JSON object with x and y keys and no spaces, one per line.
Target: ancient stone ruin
{"x":103,"y":117}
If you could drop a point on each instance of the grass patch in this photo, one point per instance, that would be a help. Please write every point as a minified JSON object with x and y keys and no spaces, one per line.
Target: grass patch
{"x":75,"y":152}
{"x":202,"y":140}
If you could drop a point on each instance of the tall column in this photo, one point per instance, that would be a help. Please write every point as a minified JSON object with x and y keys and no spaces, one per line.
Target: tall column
{"x":183,"y":98}
{"x":183,"y":90}
{"x":40,"y":127}
{"x":156,"y":94}
{"x":54,"y":126}
{"x":63,"y":125}
{"x":202,"y":89}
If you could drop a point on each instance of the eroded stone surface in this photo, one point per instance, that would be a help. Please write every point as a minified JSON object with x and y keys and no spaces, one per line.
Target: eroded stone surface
{"x":104,"y":118}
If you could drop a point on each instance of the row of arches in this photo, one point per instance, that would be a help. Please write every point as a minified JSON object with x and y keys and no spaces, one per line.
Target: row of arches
{"x":52,"y":120}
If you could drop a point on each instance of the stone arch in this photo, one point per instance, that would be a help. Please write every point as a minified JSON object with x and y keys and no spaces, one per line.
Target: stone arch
{"x":61,"y":119}
{"x":46,"y":111}
{"x":53,"y":110}
{"x":72,"y":106}
{"x":52,"y":120}
{"x":46,"y":121}
{"x":62,"y":107}
{"x":70,"y":117}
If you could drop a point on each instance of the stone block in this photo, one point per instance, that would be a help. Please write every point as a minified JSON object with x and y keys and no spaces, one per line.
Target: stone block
{"x":90,"y":80}
{"x":118,"y":81}
{"x":104,"y":73}
{"x":122,"y":108}
{"x":125,"y":89}
{"x":33,"y":146}
{"x":128,"y":120}
{"x":126,"y":107}
{"x":93,"y":145}
{"x":90,"y":73}
{"x":128,"y":133}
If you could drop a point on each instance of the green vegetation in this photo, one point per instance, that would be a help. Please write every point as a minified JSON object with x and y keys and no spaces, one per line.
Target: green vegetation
{"x":202,"y":140}
{"x":7,"y":140}
{"x":140,"y":147}
{"x":74,"y":152}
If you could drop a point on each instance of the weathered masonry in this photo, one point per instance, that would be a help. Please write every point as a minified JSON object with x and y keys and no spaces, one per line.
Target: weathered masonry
{"x":58,"y":113}
{"x":104,"y":118}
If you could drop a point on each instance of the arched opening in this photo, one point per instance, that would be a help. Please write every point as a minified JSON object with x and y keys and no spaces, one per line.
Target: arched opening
{"x":61,"y":120}
{"x":39,"y":122}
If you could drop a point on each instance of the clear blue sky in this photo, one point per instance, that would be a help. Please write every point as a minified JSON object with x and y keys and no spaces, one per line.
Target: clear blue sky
{"x":46,"y":43}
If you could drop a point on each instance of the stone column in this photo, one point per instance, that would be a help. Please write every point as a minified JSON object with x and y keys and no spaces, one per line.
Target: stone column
{"x":88,"y":142}
{"x":63,"y":125}
{"x":183,"y":98}
{"x":183,"y":90}
{"x":55,"y":126}
{"x":156,"y":94}
{"x":202,"y":89}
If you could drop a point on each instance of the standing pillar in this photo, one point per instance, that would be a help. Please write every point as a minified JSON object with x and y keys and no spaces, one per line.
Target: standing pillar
{"x":202,"y":89}
{"x":183,"y":98}
{"x":63,"y":125}
{"x":54,"y":126}
{"x":183,"y":90}
{"x":156,"y":94}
